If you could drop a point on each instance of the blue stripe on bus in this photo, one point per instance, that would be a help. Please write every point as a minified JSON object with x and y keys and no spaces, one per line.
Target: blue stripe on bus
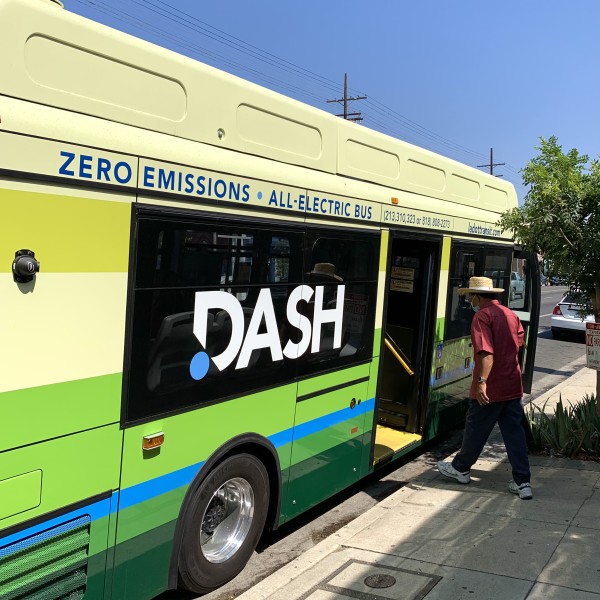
{"x":147,"y":490}
{"x":95,"y":511}
{"x":48,"y":534}
{"x":160,"y":485}
{"x":326,"y":421}
{"x":319,"y":424}
{"x":282,"y":438}
{"x":171,"y":481}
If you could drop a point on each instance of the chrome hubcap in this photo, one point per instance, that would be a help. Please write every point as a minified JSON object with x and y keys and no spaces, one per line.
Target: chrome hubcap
{"x":226,"y":520}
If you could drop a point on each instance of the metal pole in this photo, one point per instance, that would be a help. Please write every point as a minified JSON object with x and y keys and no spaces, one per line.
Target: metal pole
{"x":345,"y":95}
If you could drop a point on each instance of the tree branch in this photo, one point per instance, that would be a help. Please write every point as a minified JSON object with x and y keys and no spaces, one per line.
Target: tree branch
{"x":562,"y":233}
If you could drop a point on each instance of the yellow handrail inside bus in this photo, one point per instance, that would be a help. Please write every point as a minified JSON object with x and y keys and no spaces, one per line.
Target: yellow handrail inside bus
{"x":397,"y":356}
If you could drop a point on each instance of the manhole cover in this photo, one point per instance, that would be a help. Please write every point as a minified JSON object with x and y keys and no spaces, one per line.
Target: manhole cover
{"x":380,"y":581}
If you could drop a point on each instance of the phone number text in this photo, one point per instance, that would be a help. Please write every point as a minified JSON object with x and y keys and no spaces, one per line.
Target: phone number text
{"x":410,"y":218}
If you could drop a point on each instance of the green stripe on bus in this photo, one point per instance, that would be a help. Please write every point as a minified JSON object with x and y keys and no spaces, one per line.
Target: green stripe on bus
{"x":440,"y":325}
{"x":67,"y":234}
{"x":374,"y":370}
{"x":198,"y":433}
{"x":145,"y":516}
{"x":376,"y":348}
{"x":55,"y":409}
{"x":322,"y":442}
{"x":322,"y":475}
{"x":142,"y":563}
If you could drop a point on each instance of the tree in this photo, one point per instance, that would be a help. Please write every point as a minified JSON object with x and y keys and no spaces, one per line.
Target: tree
{"x":561,"y":220}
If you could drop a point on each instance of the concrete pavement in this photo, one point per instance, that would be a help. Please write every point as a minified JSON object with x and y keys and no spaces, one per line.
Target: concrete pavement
{"x":440,"y":540}
{"x":572,"y":389}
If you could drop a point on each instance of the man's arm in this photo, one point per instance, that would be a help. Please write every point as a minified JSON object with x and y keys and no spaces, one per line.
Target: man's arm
{"x":487,"y":362}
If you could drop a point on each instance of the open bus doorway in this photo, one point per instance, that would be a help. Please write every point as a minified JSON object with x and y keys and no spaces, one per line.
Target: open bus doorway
{"x":408,"y":329}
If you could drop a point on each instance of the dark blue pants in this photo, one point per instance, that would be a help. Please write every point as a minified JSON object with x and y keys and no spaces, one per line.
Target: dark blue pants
{"x":480,"y":422}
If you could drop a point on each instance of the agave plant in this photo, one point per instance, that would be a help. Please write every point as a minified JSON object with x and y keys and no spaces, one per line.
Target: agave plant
{"x":571,"y":430}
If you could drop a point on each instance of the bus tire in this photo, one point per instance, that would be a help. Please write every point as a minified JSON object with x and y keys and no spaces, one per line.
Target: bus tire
{"x":223,"y":523}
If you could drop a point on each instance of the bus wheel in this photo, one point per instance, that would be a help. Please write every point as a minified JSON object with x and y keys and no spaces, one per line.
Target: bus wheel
{"x":223,"y":524}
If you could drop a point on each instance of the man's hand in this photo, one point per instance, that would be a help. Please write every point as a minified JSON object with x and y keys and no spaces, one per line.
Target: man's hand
{"x":482,"y":397}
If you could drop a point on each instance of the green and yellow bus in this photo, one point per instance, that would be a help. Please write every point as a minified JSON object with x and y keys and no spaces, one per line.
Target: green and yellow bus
{"x":219,"y":306}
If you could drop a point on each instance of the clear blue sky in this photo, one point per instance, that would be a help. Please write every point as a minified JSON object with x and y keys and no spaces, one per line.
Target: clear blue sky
{"x":457,"y":77}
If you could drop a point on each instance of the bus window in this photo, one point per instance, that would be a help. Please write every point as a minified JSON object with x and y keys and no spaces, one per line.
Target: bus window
{"x":174,"y":260}
{"x":464,"y":264}
{"x":351,"y":261}
{"x":468,"y":261}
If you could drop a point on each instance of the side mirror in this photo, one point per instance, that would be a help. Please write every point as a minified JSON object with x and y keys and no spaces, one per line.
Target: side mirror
{"x":24,"y":266}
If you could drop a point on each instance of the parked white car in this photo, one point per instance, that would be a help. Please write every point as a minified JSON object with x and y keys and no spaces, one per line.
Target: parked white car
{"x":566,"y":317}
{"x":517,"y":286}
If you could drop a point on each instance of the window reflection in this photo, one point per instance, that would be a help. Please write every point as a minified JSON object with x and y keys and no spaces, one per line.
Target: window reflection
{"x":519,"y":297}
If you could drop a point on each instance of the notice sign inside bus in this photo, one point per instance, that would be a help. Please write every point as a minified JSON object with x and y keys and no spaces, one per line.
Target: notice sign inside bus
{"x":592,"y":345}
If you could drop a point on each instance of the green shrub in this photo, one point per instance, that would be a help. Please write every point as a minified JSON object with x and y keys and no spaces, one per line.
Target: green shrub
{"x":570,"y":431}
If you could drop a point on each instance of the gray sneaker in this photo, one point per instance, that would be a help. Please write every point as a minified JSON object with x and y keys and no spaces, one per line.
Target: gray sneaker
{"x":446,"y":468}
{"x":524,"y":490}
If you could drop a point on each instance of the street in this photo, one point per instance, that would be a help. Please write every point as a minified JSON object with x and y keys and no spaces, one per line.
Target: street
{"x":555,"y":361}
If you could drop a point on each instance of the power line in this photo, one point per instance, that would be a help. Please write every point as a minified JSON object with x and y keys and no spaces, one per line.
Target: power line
{"x":243,"y":43}
{"x":194,"y":49}
{"x":409,"y":125}
{"x":191,"y":22}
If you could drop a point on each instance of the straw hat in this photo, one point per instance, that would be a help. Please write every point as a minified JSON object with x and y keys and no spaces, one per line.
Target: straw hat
{"x":325,"y":270}
{"x":483,"y":285}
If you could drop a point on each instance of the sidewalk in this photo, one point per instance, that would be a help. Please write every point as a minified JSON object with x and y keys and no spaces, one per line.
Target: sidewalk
{"x":439,"y":540}
{"x":571,"y":390}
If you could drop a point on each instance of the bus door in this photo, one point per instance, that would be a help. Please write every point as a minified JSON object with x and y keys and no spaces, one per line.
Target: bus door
{"x":524,"y":300}
{"x":333,"y":401}
{"x":408,"y":329}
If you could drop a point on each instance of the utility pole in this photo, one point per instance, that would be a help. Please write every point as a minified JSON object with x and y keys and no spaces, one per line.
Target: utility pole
{"x":492,"y":163}
{"x":355,"y":116}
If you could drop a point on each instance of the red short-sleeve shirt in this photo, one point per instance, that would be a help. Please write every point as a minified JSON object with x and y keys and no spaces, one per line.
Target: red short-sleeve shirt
{"x":497,"y":330}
